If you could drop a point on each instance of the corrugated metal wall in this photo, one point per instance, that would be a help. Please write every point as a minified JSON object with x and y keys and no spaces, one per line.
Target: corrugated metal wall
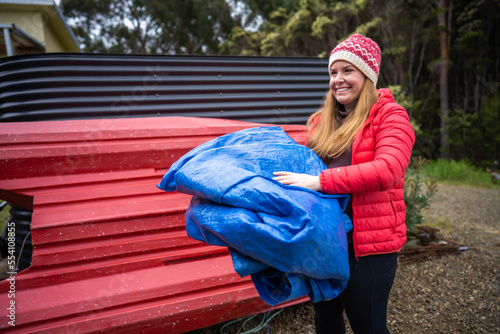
{"x":83,"y":86}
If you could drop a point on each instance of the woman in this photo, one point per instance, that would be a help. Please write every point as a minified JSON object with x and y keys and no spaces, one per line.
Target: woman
{"x":365,"y":138}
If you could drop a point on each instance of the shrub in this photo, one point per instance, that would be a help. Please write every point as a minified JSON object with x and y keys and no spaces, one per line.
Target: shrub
{"x":416,"y":197}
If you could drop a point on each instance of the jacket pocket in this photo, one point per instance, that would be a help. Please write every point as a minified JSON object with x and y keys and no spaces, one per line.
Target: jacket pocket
{"x":395,"y":221}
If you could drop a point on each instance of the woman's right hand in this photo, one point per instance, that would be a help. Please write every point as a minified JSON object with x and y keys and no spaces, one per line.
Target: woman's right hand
{"x":299,"y":180}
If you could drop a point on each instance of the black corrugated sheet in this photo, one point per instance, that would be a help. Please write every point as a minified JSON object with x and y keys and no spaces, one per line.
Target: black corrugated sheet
{"x":63,"y":86}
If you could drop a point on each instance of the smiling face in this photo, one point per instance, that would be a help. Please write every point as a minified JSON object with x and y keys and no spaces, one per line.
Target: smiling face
{"x":346,"y":83}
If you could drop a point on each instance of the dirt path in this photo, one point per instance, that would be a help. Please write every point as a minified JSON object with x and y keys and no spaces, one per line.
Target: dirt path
{"x":451,"y":294}
{"x":458,"y":293}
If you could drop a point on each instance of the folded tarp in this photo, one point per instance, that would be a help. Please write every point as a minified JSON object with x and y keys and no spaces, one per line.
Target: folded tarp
{"x":291,"y":240}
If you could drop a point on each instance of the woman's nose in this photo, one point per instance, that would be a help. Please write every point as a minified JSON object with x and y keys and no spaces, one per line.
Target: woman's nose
{"x":339,"y":78}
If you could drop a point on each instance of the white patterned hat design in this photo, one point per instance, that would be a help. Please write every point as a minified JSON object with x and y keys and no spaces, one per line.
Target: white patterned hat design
{"x":360,"y":51}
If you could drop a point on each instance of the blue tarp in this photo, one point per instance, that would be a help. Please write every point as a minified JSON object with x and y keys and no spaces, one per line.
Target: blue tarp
{"x":291,"y":240}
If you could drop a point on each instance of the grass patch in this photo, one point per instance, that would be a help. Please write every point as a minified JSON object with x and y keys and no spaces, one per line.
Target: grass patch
{"x":458,"y":173}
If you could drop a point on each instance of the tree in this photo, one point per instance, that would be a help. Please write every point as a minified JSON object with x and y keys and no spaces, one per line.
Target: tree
{"x":308,"y":28}
{"x":191,"y":26}
{"x":444,"y":25}
{"x":149,"y":26}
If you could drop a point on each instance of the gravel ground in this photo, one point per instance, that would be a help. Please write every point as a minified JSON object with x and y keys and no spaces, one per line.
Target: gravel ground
{"x":450,"y":294}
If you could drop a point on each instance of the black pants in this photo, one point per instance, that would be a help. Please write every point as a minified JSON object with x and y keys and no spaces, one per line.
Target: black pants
{"x":364,"y":299}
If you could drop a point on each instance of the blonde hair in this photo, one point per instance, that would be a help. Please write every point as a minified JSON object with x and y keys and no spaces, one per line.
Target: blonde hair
{"x":329,"y":138}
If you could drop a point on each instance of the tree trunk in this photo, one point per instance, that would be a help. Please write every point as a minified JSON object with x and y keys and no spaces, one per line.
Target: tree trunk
{"x":444,"y":43}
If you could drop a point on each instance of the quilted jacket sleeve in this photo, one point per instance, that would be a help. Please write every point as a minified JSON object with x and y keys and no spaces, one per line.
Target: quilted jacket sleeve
{"x":380,"y":155}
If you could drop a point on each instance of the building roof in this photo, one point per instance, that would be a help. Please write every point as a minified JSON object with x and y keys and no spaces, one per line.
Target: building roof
{"x":54,"y":17}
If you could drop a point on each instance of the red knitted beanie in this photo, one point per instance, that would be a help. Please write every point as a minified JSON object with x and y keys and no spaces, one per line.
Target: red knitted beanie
{"x":360,"y":51}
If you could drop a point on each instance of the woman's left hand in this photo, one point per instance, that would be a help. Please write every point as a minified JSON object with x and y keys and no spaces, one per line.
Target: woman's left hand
{"x":298,"y":180}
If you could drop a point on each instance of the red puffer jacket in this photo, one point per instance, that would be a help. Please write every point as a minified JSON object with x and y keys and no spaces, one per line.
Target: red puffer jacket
{"x":381,"y":152}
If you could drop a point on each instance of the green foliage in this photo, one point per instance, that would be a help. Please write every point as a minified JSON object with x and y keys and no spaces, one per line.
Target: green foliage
{"x":401,"y":98}
{"x":267,"y":7}
{"x":191,"y":27}
{"x":150,"y":26}
{"x":457,"y":172}
{"x":309,"y":28}
{"x":425,"y":113}
{"x":475,"y":136}
{"x":320,"y":25}
{"x":248,"y":42}
{"x":369,"y":26}
{"x":418,"y":192}
{"x":490,"y":126}
{"x":471,"y":37}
